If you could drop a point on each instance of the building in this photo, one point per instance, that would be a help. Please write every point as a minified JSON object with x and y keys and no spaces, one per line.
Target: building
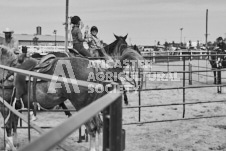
{"x":38,"y":39}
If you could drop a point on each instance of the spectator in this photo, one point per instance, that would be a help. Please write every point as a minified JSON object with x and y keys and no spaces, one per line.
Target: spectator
{"x":10,"y":42}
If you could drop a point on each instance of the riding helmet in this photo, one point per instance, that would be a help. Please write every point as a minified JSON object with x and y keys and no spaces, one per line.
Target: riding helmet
{"x":75,"y":19}
{"x":94,"y":28}
{"x":219,"y":38}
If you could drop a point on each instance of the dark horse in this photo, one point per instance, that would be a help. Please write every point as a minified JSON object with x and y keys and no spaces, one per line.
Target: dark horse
{"x":49,"y":95}
{"x":217,"y":62}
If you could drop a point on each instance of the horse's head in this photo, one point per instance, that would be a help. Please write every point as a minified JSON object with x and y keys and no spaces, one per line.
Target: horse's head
{"x":119,"y":55}
{"x":116,"y":48}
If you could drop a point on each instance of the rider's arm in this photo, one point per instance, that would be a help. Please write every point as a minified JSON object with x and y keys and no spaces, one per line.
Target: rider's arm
{"x":80,"y":36}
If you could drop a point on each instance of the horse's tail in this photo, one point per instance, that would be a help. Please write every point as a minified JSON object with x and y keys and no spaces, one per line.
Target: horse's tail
{"x":130,"y":54}
{"x":131,"y":57}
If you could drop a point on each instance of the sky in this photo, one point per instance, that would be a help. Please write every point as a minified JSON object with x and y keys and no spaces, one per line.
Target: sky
{"x":145,"y":21}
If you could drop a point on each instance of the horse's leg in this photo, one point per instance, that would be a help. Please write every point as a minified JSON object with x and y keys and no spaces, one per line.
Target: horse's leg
{"x":219,"y":80}
{"x":9,"y":137}
{"x":14,"y":125}
{"x":215,"y":77}
{"x":219,"y":77}
{"x":92,"y":126}
{"x":68,"y":113}
{"x":99,"y":133}
{"x":100,"y":139}
{"x":125,"y":96}
{"x":92,"y":143}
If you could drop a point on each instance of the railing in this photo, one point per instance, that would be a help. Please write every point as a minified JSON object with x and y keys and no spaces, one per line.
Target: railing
{"x":112,"y":117}
{"x":156,"y":54}
{"x":44,"y":49}
{"x":188,"y":71}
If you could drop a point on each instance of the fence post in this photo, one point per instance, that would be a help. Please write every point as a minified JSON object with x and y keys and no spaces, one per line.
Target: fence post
{"x":183,"y":86}
{"x":200,"y":53}
{"x":153,"y":57}
{"x":4,"y":112}
{"x":116,"y":125}
{"x":112,"y":129}
{"x":28,"y":112}
{"x":180,"y":55}
{"x":190,"y":74}
{"x":106,"y":133}
{"x":139,"y":95}
{"x":168,"y":61}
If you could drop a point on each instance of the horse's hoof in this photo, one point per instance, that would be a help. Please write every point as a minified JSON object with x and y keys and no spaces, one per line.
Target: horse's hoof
{"x":8,"y":148}
{"x":17,"y":145}
{"x":69,"y":115}
{"x":79,"y":141}
{"x":33,"y":118}
{"x":18,"y":105}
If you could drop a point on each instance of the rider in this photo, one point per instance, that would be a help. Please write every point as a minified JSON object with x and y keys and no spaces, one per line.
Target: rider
{"x":93,"y":40}
{"x":9,"y":41}
{"x":221,"y":45}
{"x":77,"y":36}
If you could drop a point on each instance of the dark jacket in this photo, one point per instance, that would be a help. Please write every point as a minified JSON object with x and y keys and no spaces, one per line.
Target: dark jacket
{"x":222,"y":46}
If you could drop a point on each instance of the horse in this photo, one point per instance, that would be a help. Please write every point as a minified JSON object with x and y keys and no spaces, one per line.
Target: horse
{"x":80,"y":66}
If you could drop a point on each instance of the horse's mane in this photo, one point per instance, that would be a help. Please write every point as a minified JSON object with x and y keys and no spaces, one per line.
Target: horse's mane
{"x":111,"y":47}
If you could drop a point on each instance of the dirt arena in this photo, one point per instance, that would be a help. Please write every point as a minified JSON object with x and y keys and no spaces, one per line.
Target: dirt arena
{"x":190,"y":135}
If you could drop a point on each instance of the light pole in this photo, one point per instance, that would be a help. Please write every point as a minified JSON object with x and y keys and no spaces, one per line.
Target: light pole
{"x":55,"y":32}
{"x":181,"y":29}
{"x":66,"y":26}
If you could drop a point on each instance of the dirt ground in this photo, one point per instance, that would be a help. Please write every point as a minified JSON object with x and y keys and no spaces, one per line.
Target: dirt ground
{"x":188,"y":135}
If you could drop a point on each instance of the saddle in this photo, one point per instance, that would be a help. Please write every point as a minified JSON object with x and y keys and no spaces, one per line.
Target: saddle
{"x":45,"y":64}
{"x":42,"y":66}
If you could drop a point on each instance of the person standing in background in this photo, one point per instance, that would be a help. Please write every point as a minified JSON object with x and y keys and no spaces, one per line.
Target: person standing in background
{"x":10,"y":42}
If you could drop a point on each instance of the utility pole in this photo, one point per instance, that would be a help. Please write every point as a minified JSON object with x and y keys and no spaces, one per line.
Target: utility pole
{"x":181,"y":29}
{"x":66,"y":27}
{"x":55,"y":32}
{"x":206,"y":27}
